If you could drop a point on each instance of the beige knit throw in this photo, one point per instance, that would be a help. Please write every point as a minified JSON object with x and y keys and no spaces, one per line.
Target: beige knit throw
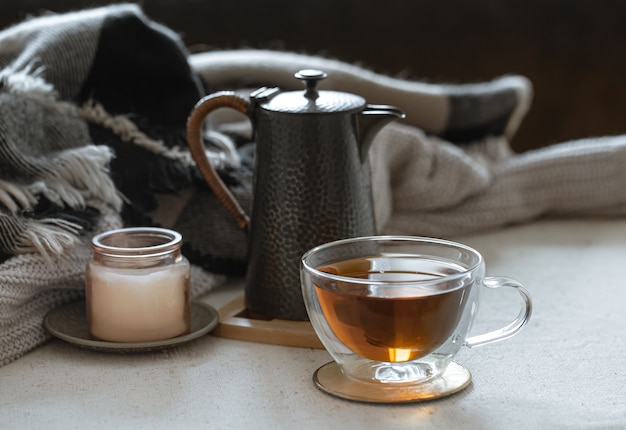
{"x":424,"y":185}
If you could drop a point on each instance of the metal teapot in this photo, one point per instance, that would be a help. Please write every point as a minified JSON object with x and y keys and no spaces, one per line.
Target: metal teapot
{"x":312,"y":181}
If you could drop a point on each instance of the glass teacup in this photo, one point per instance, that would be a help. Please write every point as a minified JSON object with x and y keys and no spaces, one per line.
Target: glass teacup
{"x":393,"y":311}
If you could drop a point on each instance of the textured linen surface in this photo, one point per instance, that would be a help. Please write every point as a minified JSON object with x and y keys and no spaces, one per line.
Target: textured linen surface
{"x":92,"y":136}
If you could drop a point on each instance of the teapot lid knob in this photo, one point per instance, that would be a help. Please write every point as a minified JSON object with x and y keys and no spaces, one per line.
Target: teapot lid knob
{"x":310,"y":77}
{"x":315,"y":102}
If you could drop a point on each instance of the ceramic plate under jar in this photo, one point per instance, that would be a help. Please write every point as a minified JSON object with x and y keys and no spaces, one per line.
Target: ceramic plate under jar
{"x":69,"y":323}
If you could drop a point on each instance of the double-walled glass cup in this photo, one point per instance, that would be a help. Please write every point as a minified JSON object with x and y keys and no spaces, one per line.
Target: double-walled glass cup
{"x":393,"y":311}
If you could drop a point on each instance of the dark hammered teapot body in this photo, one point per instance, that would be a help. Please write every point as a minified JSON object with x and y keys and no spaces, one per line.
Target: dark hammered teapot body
{"x":312,"y":181}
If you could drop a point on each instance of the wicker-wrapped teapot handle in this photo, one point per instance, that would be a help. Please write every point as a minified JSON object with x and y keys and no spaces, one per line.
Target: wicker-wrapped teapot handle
{"x":194,"y":138}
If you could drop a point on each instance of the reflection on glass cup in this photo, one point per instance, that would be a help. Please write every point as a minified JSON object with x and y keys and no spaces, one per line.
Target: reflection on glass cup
{"x":396,"y":310}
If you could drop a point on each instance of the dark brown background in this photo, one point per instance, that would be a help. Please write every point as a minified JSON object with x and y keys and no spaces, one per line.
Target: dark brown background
{"x":572,"y":50}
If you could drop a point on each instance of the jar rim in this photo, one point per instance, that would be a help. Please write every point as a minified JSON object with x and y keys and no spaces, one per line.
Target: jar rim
{"x":137,"y":241}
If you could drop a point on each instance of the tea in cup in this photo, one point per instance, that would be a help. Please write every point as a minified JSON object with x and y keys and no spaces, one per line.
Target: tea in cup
{"x":393,"y":311}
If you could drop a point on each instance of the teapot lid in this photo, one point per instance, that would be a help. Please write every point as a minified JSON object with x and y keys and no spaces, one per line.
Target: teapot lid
{"x":311,"y":101}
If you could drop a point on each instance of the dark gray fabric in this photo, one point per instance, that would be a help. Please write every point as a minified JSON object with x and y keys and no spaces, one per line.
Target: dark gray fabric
{"x":116,"y":58}
{"x":93,"y":106}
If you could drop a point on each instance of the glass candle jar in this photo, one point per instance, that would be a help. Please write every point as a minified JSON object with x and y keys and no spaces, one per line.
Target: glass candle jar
{"x":137,"y":286}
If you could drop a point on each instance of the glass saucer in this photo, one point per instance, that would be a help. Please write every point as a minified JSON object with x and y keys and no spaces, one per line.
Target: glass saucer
{"x":69,"y":323}
{"x":330,"y":379}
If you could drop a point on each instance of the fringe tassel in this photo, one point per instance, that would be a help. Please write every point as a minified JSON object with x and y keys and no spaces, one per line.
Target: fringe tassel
{"x":49,"y":237}
{"x":81,"y":174}
{"x":128,"y":132}
{"x":123,"y":127}
{"x":16,"y":197}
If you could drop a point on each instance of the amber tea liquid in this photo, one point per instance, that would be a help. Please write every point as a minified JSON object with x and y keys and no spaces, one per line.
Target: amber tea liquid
{"x":393,"y":323}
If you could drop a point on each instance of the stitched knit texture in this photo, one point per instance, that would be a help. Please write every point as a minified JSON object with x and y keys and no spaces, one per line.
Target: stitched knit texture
{"x":426,"y":186}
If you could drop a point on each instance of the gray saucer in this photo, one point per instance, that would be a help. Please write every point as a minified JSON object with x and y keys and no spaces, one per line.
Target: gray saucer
{"x":69,"y":323}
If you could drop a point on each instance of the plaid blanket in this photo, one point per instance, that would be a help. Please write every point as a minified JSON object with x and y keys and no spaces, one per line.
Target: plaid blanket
{"x":93,"y":109}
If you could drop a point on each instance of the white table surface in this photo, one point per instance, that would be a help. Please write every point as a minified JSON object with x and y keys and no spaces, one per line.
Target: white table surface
{"x":566,"y":369}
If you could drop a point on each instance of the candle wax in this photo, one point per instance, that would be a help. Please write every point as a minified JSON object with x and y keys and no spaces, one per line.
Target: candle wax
{"x":131,"y":305}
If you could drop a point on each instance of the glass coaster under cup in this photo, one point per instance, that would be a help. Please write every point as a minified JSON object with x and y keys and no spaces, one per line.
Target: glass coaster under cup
{"x":331,"y":380}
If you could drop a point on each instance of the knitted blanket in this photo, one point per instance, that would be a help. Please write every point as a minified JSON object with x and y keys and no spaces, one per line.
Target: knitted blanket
{"x":93,"y":108}
{"x":448,"y":169}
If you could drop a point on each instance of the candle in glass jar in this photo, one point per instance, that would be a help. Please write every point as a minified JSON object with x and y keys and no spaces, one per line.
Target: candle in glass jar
{"x":138,"y":286}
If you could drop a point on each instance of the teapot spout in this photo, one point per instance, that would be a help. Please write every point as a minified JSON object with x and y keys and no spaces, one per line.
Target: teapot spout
{"x":371,"y":120}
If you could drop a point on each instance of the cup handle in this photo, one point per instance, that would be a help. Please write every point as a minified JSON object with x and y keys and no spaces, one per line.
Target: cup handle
{"x":514,"y":326}
{"x":194,"y":138}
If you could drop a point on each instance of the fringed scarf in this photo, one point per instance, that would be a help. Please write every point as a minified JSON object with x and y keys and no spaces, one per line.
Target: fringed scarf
{"x":93,"y":107}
